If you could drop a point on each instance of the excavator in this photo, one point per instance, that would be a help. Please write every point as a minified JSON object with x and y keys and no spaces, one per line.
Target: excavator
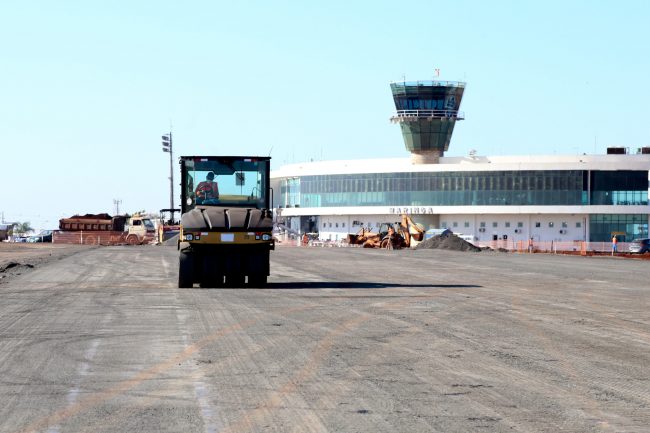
{"x":402,"y":234}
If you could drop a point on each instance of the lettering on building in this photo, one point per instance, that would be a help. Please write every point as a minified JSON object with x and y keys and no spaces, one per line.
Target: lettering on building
{"x":412,"y":210}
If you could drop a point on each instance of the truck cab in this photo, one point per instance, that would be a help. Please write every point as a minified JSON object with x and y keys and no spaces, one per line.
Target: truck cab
{"x":226,"y":223}
{"x":140,"y":229}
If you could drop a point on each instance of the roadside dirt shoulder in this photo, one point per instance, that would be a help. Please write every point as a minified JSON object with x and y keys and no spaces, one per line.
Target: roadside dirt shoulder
{"x":17,"y":258}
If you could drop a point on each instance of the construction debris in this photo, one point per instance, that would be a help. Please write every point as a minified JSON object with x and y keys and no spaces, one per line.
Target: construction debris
{"x":403,"y":234}
{"x":447,"y":241}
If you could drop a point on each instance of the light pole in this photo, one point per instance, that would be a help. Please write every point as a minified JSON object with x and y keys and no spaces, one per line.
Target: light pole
{"x":117,"y":203}
{"x":167,"y":147}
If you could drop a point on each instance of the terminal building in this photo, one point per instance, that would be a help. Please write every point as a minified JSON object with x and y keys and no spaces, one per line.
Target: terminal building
{"x":547,"y":198}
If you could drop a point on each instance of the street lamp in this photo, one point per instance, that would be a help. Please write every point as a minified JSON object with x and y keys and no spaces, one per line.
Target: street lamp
{"x":167,"y":147}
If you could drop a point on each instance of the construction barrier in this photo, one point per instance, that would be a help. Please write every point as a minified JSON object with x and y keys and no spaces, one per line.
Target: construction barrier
{"x":580,"y":247}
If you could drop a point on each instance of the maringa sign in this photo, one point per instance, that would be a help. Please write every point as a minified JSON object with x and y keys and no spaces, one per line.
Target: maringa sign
{"x":413,"y":210}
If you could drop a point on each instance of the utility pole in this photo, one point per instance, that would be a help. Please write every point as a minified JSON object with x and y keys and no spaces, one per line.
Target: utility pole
{"x":168,"y":147}
{"x":117,"y":203}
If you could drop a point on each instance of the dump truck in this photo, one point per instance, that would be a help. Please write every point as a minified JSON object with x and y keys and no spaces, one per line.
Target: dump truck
{"x":226,"y":222}
{"x":403,"y":234}
{"x":103,"y":229}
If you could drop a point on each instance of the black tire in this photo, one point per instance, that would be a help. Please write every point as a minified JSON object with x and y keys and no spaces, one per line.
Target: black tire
{"x":185,"y":271}
{"x":257,"y":280}
{"x":211,"y":281}
{"x":211,"y":273}
{"x":387,"y":244}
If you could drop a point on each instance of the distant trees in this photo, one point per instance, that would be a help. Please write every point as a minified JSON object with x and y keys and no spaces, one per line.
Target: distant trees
{"x":21,"y":228}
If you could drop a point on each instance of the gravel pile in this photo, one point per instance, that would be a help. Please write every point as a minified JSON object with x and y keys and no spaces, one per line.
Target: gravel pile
{"x":447,"y":241}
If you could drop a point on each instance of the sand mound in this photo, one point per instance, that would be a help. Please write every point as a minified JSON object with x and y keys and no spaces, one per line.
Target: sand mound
{"x":447,"y":241}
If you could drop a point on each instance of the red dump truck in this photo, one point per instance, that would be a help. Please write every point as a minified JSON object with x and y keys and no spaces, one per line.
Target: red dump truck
{"x":103,"y":229}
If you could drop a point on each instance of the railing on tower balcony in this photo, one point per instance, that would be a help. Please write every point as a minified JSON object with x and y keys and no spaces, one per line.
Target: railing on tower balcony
{"x":406,"y":115}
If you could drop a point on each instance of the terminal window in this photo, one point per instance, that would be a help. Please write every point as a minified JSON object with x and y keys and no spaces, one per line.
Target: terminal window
{"x":507,"y":224}
{"x":466,"y":224}
{"x":601,"y":226}
{"x":495,"y":224}
{"x":538,"y":224}
{"x":551,"y":224}
{"x":520,"y":224}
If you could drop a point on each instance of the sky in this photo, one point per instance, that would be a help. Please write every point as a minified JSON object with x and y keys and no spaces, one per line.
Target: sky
{"x":88,"y":88}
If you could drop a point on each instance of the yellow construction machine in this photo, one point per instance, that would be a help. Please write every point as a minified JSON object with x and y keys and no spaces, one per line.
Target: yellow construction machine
{"x":402,"y":234}
{"x":226,"y":222}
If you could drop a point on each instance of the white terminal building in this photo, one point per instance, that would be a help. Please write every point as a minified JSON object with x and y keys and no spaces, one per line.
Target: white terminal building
{"x":515,"y":198}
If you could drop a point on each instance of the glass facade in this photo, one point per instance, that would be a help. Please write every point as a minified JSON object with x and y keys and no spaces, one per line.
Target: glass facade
{"x":427,"y":135}
{"x":480,"y":188}
{"x":627,"y":227}
{"x":619,"y":187}
{"x":290,"y":191}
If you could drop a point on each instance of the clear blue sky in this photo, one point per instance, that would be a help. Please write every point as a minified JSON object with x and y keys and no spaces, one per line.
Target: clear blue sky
{"x":88,"y":88}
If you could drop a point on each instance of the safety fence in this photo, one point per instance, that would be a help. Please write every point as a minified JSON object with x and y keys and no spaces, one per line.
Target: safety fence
{"x":571,"y":247}
{"x":555,"y":246}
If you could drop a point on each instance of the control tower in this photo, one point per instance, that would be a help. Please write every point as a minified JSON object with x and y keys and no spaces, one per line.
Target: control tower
{"x":427,"y":112}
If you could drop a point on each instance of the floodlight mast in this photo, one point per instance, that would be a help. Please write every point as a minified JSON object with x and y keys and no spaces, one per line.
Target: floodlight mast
{"x":167,"y":143}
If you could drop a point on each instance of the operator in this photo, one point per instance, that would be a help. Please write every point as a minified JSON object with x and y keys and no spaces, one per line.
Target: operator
{"x":207,"y":189}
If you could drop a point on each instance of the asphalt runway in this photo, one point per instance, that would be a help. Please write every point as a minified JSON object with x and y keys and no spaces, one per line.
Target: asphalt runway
{"x":341,"y":340}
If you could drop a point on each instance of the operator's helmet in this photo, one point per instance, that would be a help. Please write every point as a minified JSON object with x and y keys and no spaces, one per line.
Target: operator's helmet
{"x":210,"y":176}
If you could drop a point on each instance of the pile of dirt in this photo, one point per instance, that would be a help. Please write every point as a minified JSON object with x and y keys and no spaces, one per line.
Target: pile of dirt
{"x":19,"y":258}
{"x":447,"y":241}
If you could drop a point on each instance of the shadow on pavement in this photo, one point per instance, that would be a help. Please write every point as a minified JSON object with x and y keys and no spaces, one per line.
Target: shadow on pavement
{"x":362,"y":285}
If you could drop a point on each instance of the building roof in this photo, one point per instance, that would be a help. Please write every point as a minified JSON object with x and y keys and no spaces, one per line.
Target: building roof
{"x":468,"y":163}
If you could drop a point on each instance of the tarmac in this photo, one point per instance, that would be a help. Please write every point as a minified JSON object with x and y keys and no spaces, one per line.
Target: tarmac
{"x":342,"y":340}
